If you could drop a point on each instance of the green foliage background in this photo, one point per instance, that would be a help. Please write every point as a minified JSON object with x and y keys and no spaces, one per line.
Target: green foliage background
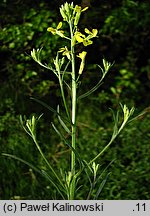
{"x":124,"y":37}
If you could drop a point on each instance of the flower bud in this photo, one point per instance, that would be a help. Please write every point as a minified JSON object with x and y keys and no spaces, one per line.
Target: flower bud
{"x":63,"y":13}
{"x":66,"y":6}
{"x":78,"y":14}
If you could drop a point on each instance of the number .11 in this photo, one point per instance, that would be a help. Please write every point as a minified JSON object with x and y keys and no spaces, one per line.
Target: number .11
{"x":141,"y":207}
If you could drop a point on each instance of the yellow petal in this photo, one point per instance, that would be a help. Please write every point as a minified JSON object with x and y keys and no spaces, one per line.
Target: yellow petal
{"x":87,"y":42}
{"x":52,"y":30}
{"x":77,"y":8}
{"x":82,"y":55}
{"x":66,"y":53}
{"x":79,"y":39}
{"x":79,"y":36}
{"x":59,"y":25}
{"x":60,"y":33}
{"x":94,"y":31}
{"x":87,"y":31}
{"x":62,"y":49}
{"x":84,"y":9}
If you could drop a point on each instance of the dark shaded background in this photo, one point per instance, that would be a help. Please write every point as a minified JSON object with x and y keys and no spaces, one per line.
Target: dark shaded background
{"x":124,"y":38}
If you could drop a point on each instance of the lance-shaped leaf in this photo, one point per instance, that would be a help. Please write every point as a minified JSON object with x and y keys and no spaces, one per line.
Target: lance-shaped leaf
{"x":41,"y":172}
{"x":104,"y":72}
{"x":62,"y":122}
{"x":91,"y":90}
{"x":67,"y":143}
{"x":101,"y":186}
{"x":59,"y":188}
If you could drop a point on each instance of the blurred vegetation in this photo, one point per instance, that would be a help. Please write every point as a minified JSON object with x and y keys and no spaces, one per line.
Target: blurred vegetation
{"x":124,"y":37}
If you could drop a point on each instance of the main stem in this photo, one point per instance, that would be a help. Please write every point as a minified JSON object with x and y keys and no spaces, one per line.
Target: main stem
{"x":73,"y":158}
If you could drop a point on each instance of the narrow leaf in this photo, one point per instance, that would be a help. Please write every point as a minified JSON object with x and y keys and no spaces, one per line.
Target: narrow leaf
{"x":62,"y":122}
{"x":96,"y":86}
{"x":104,"y":170}
{"x":68,"y":144}
{"x":23,"y":161}
{"x":101,"y":186}
{"x":53,"y":182}
{"x":43,"y":173}
{"x":48,"y":107}
{"x":91,"y":90}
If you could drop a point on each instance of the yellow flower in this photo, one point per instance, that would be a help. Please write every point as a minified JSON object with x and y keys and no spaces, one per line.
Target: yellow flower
{"x":65,"y":51}
{"x":78,"y":10}
{"x":82,"y":57}
{"x":52,"y":30}
{"x":86,"y":40}
{"x":92,"y":33}
{"x":57,"y":30}
{"x":79,"y":36}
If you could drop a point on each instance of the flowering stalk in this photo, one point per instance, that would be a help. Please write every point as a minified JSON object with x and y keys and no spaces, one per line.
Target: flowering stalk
{"x":71,"y":15}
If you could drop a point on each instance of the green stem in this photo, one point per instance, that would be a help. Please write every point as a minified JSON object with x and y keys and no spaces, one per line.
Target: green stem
{"x":63,"y":97}
{"x":110,"y":142}
{"x":74,"y":101}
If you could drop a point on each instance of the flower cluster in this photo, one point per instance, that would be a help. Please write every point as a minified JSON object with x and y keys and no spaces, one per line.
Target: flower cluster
{"x":86,"y":40}
{"x":71,"y":13}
